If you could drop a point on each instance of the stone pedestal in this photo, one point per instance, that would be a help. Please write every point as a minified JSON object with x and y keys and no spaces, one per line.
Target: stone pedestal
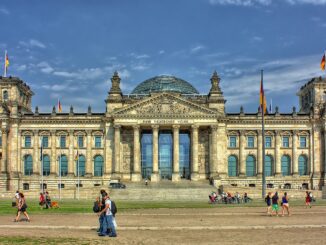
{"x":175,"y":177}
{"x":136,"y":177}
{"x":194,"y":176}
{"x":155,"y":177}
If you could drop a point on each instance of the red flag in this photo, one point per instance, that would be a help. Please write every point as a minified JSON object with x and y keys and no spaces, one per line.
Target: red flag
{"x":262,"y":98}
{"x":59,"y":106}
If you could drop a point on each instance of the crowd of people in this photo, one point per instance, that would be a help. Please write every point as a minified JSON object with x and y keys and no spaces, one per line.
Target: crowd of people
{"x":227,"y":197}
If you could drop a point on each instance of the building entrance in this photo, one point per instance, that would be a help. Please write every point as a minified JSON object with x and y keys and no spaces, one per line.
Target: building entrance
{"x":165,"y":154}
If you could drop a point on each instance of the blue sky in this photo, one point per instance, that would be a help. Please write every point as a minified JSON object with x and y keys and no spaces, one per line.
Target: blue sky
{"x":70,"y":49}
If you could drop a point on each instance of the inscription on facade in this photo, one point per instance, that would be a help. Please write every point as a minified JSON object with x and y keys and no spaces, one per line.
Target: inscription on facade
{"x":168,"y":121}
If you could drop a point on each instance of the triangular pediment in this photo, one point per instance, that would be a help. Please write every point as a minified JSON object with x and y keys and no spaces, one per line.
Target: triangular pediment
{"x":165,"y":104}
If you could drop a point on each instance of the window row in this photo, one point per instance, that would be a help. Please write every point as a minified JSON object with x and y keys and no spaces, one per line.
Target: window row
{"x":233,"y":165}
{"x":81,"y":141}
{"x":251,"y":141}
{"x":80,"y":164}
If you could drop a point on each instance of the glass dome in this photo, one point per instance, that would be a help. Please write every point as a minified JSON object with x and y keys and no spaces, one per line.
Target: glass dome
{"x":164,"y":83}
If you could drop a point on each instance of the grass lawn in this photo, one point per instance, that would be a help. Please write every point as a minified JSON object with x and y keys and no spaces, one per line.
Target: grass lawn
{"x":85,"y":206}
{"x":44,"y":240}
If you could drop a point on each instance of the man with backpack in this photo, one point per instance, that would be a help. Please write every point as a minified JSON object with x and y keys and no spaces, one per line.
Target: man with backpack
{"x":108,"y":226}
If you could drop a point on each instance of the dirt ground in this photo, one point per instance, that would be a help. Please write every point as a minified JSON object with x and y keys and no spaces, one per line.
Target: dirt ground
{"x":180,"y":226}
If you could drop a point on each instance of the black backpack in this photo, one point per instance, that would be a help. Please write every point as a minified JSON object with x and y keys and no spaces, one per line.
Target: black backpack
{"x":96,"y":207}
{"x":114,"y":208}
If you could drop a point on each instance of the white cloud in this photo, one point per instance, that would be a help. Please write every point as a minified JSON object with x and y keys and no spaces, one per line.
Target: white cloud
{"x":45,"y":67}
{"x":240,"y":2}
{"x":314,"y":2}
{"x":4,"y":11}
{"x":142,"y":56}
{"x":197,"y":48}
{"x":21,"y":68}
{"x":248,"y":3}
{"x":257,"y":39}
{"x":32,"y":43}
{"x":161,"y":52}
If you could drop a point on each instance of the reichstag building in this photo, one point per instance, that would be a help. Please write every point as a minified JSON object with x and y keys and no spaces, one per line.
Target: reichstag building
{"x":163,"y":130}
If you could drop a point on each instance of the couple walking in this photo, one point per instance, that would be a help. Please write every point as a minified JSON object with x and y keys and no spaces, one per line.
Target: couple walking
{"x":106,"y":217}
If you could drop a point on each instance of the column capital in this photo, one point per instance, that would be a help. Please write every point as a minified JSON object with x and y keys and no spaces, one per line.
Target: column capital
{"x":278,"y":132}
{"x":259,"y":132}
{"x":155,"y":127}
{"x":53,"y":131}
{"x":175,"y":127}
{"x":4,"y":130}
{"x":242,"y":132}
{"x":194,"y":126}
{"x":136,"y":127}
{"x":214,"y":127}
{"x":295,"y":132}
{"x":117,"y":126}
{"x":36,"y":131}
{"x":88,"y":131}
{"x":71,"y":131}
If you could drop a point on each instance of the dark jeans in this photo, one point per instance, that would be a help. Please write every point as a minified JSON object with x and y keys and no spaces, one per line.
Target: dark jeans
{"x":108,"y":225}
{"x":101,"y":220}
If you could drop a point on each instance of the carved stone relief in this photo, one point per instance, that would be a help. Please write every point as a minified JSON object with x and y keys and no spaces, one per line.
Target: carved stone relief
{"x":127,"y":150}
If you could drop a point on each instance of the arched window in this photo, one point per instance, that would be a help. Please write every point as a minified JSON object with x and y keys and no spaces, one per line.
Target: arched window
{"x":232,"y":166}
{"x":250,"y":166}
{"x":268,"y":165}
{"x":81,"y":163}
{"x":286,"y":165}
{"x":28,"y":165}
{"x":5,"y":95}
{"x":46,"y":165}
{"x":303,"y":165}
{"x":98,"y":165}
{"x":64,"y":165}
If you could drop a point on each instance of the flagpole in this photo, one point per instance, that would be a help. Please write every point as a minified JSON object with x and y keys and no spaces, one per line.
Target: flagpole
{"x":42,"y":179}
{"x":5,"y":66}
{"x":60,"y":176}
{"x":78,"y":173}
{"x":263,"y":140}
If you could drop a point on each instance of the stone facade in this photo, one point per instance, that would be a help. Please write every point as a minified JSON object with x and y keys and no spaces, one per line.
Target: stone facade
{"x":224,"y":148}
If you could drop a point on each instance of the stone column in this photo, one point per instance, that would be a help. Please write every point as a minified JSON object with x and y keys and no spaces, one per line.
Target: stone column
{"x":136,"y":176}
{"x":295,"y":161}
{"x":213,"y":153}
{"x":242,"y":158}
{"x":316,"y":151}
{"x":259,"y":153}
{"x":89,"y":162}
{"x":71,"y":158}
{"x":54,"y":159}
{"x":277,"y":154}
{"x":155,"y":175}
{"x":194,"y":149}
{"x":176,"y":174}
{"x":311,"y":152}
{"x":117,"y":149}
{"x":37,"y":165}
{"x":109,"y":141}
{"x":4,"y":150}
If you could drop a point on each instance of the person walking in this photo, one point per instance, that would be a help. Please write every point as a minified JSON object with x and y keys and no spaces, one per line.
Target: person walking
{"x":102,"y":206}
{"x":268,"y":200}
{"x":285,"y":204}
{"x":308,"y":200}
{"x":108,"y":222}
{"x":275,"y":204}
{"x":22,"y":206}
{"x":42,"y":200}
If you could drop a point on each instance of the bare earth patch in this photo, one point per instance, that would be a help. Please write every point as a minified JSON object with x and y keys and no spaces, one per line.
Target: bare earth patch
{"x":174,"y":226}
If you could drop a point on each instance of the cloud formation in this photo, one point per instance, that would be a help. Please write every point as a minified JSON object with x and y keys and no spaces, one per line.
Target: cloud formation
{"x":4,"y":11}
{"x":32,"y":43}
{"x":248,"y":3}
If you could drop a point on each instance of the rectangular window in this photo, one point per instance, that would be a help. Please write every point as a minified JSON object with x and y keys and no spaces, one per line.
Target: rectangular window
{"x":98,"y":142}
{"x":28,"y":142}
{"x":286,"y":141}
{"x":45,"y":141}
{"x":233,"y":141}
{"x":250,"y":142}
{"x":303,"y":142}
{"x":62,"y":141}
{"x":80,"y":141}
{"x":0,"y":140}
{"x":268,"y":142}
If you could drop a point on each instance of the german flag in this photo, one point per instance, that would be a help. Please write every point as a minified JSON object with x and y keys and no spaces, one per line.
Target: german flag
{"x":322,"y":63}
{"x":262,"y":98}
